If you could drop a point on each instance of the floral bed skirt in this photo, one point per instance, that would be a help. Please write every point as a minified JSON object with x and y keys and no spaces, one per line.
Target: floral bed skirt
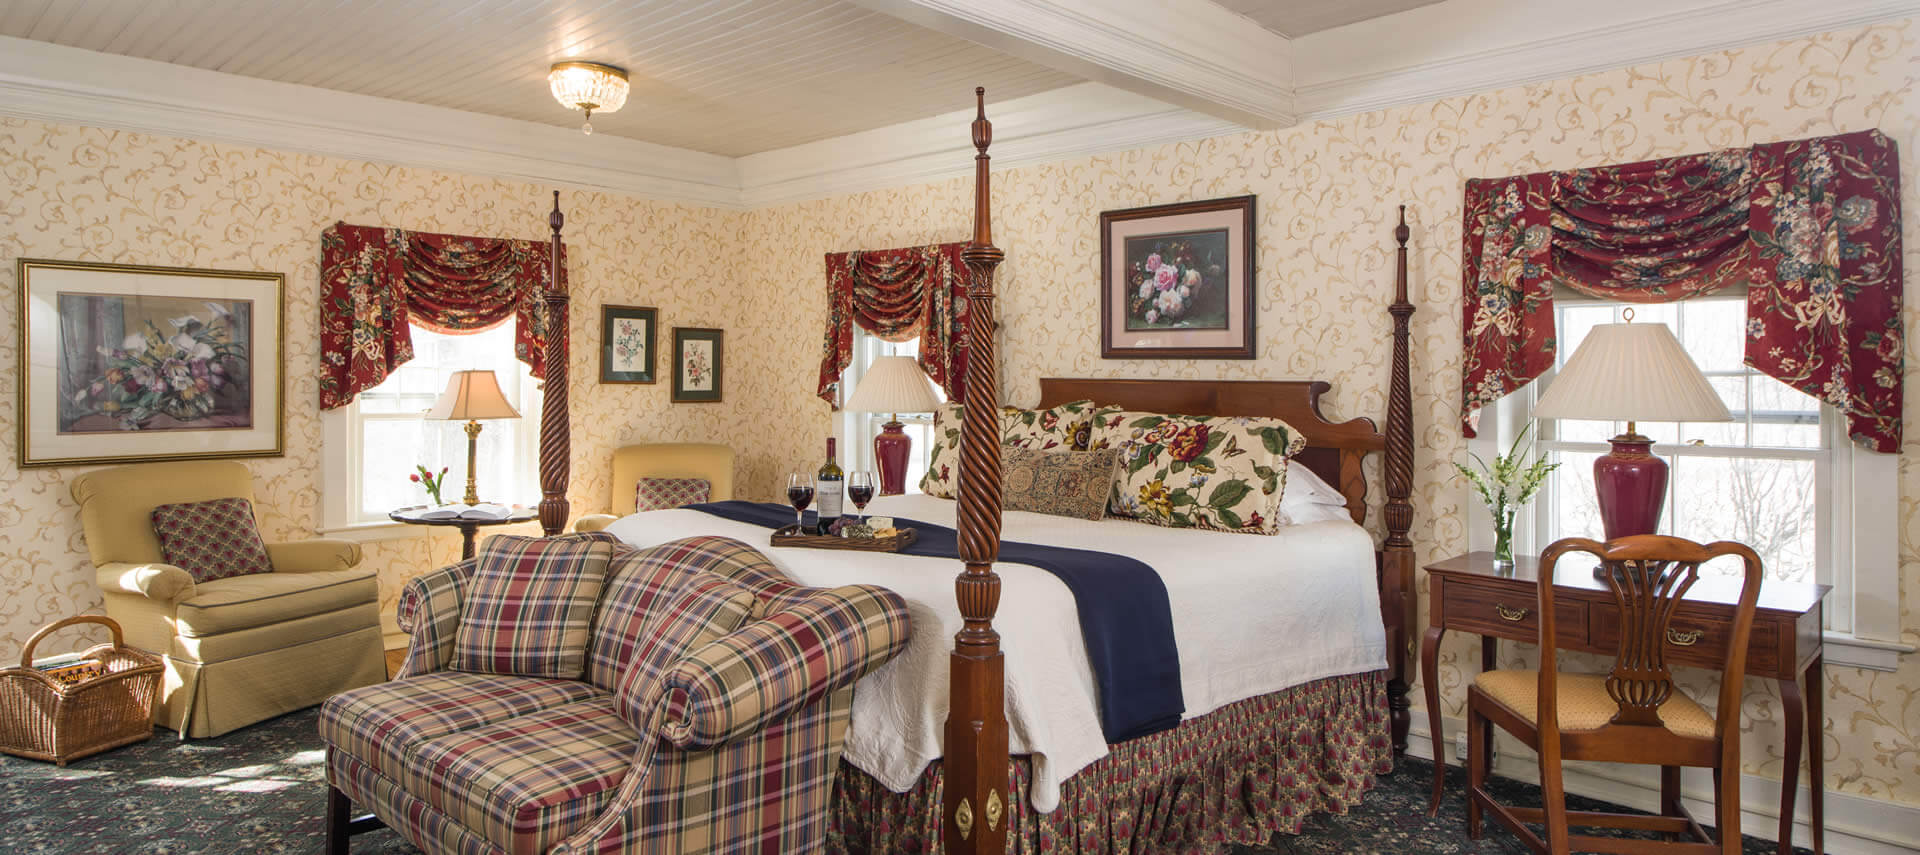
{"x":1236,"y":775}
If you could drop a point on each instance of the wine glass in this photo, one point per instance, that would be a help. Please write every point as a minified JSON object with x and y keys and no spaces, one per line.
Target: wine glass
{"x":860,"y":488}
{"x":800,"y":495}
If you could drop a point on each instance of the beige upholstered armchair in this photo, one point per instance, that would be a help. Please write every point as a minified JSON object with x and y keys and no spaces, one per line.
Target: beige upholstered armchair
{"x":662,"y":460}
{"x":239,"y":649}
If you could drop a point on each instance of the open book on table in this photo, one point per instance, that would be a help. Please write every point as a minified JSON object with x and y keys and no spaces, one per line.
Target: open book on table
{"x":483,"y":511}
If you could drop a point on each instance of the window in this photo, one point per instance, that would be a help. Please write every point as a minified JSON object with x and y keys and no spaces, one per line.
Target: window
{"x":1781,"y":477}
{"x":373,"y":444}
{"x":856,"y":430}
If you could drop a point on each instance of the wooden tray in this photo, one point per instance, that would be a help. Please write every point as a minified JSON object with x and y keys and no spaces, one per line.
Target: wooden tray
{"x":791,"y":536}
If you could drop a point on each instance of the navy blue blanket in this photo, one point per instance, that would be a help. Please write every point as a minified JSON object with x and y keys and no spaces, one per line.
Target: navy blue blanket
{"x":1124,"y":616}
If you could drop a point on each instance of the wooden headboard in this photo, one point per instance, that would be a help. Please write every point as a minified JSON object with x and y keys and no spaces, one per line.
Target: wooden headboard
{"x":1334,"y":449}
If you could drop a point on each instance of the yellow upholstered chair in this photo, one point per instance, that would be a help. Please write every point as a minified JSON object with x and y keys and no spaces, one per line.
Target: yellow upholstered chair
{"x":240,"y":649}
{"x":663,"y":460}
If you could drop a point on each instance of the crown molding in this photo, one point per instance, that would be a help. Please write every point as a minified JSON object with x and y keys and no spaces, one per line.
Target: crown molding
{"x":53,"y":83}
{"x":1490,"y":65}
{"x":1194,"y":54}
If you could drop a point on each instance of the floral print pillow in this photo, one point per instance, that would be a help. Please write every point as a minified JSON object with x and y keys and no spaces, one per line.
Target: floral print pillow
{"x":1065,"y":427}
{"x":1225,"y":473}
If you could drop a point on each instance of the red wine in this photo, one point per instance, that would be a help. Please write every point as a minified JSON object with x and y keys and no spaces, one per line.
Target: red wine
{"x":860,"y":496}
{"x":830,"y":481}
{"x":799,"y":497}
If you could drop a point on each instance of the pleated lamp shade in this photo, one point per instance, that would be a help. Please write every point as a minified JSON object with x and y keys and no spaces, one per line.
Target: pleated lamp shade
{"x":893,"y":384}
{"x":472,"y":395}
{"x":1632,"y":372}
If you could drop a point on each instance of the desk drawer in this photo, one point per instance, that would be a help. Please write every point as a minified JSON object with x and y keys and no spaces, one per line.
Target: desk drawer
{"x":1503,"y":611}
{"x":1708,"y":632}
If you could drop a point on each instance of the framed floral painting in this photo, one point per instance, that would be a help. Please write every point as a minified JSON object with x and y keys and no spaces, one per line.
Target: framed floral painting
{"x":626,"y":344}
{"x":1177,"y":281}
{"x":120,"y":363}
{"x":699,"y":365}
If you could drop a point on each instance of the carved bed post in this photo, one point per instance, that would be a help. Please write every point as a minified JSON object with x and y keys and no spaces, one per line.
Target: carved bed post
{"x":556,"y":452}
{"x":976,"y":794}
{"x":1399,"y":600}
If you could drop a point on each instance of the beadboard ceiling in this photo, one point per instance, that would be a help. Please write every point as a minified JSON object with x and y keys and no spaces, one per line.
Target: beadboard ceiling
{"x":1296,"y":18}
{"x":728,"y":77}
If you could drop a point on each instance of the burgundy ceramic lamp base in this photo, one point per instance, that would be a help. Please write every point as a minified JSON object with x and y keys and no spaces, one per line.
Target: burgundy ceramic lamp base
{"x":1631,"y":485}
{"x":890,"y":448}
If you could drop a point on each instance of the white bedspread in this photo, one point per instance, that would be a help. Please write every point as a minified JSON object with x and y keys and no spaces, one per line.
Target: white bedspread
{"x":1251,"y":615}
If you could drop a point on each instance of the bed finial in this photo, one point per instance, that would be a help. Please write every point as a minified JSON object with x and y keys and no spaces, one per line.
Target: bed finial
{"x":976,"y":730}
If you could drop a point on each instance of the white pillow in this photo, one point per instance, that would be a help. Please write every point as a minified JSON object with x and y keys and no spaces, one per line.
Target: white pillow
{"x":1309,"y":499}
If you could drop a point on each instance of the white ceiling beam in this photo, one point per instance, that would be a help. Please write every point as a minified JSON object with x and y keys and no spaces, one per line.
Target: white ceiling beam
{"x":1190,"y":53}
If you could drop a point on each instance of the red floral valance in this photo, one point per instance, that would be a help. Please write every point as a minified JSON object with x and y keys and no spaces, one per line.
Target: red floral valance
{"x":899,"y":294}
{"x":375,"y":281}
{"x":1811,"y":226}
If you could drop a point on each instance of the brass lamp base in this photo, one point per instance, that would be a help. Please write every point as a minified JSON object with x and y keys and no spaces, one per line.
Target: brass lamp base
{"x":473,"y":443}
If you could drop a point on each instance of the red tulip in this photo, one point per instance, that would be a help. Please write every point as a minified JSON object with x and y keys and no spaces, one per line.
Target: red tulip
{"x":414,"y":478}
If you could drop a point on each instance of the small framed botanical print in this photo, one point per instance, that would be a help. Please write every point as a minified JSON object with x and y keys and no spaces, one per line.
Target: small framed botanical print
{"x":1176,"y":281}
{"x":699,"y":365}
{"x":122,"y":363}
{"x":627,"y":343}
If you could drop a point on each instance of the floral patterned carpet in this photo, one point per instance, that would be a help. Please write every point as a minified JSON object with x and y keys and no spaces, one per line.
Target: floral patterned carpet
{"x":261,"y":790}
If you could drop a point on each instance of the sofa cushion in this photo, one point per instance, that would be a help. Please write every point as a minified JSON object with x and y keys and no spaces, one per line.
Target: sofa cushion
{"x":528,"y":782}
{"x":530,"y":606}
{"x":211,"y":540}
{"x":654,"y":494}
{"x":638,"y":582}
{"x":379,"y":723}
{"x":704,"y":608}
{"x":260,"y":599}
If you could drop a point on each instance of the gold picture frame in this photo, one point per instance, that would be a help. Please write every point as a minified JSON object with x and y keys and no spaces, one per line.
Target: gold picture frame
{"x":124,"y":363}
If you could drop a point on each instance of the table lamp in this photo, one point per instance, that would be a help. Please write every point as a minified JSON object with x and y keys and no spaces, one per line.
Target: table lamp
{"x":472,"y":396}
{"x":1631,"y":372}
{"x":895,"y":385}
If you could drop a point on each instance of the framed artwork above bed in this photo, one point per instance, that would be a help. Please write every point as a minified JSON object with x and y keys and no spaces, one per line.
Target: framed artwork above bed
{"x":627,"y":336}
{"x":1176,"y":281}
{"x":699,"y":365}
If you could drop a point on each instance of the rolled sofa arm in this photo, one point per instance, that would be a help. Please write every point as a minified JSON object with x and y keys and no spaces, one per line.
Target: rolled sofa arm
{"x":162,"y":582}
{"x":593,"y":522}
{"x":768,"y":669}
{"x":429,"y":613}
{"x":313,"y":556}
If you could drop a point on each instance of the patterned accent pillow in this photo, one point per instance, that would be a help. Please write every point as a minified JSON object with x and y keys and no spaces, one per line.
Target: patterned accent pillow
{"x":655,"y":494}
{"x":1062,"y":427}
{"x":1215,"y":472}
{"x":530,"y":605}
{"x":706,"y":607}
{"x":215,"y":539}
{"x":1062,"y":483}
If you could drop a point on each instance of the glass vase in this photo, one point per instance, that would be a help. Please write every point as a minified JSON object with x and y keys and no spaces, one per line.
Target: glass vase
{"x":1503,"y":538}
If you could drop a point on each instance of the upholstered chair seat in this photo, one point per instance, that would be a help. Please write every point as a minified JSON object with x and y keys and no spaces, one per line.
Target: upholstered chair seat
{"x":238,"y":649}
{"x":1584,"y":702}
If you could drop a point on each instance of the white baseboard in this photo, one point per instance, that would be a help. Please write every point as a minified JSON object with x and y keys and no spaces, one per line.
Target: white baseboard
{"x":1854,"y":825}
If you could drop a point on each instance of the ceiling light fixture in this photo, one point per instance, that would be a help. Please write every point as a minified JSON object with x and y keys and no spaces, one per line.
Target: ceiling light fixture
{"x":588,"y":86}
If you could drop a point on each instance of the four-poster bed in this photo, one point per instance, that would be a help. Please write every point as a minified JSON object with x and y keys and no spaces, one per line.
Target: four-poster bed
{"x":975,"y":767}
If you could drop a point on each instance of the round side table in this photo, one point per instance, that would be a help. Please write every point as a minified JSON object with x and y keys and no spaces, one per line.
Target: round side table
{"x":468,"y":527}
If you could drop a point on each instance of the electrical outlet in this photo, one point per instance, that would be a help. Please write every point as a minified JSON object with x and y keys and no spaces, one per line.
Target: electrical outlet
{"x":1460,"y":748}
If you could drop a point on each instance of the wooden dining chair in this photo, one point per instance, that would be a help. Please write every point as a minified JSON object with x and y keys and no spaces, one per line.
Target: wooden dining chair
{"x":1631,"y":714}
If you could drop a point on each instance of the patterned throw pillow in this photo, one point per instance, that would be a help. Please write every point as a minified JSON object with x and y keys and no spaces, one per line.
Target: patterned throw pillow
{"x":1062,"y":483}
{"x":704,"y":608}
{"x":530,"y":606}
{"x":1215,"y":472}
{"x":655,"y":494}
{"x":211,"y":540}
{"x":1064,"y":427}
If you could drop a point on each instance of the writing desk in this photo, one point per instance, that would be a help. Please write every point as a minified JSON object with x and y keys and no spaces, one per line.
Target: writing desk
{"x":1469,"y":595}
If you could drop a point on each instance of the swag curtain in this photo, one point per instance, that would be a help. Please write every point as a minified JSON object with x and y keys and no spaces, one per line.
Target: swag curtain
{"x":898,"y":294}
{"x":375,"y":281}
{"x":1811,"y":226}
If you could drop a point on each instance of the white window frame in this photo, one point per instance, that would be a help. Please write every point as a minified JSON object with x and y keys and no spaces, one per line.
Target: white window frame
{"x":1860,"y":491}
{"x":857,"y":430}
{"x":341,"y":430}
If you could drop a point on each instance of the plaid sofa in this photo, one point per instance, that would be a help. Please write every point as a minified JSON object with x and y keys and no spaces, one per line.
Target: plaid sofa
{"x":749,"y":726}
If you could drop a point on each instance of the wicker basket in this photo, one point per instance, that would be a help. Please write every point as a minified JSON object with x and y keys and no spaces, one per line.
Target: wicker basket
{"x":103,"y":701}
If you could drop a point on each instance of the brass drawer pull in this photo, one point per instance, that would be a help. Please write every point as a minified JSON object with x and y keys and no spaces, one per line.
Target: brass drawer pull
{"x":1684,"y":639}
{"x":1510,"y":614}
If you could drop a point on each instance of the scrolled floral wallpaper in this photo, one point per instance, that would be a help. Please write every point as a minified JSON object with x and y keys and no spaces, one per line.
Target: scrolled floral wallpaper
{"x":1327,"y":195}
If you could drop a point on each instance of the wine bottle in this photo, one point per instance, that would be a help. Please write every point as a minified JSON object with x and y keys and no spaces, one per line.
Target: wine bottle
{"x":829,"y":488}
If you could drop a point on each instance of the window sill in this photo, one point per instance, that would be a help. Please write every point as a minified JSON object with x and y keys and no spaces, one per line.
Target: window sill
{"x":371,"y":532}
{"x":1848,"y":649}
